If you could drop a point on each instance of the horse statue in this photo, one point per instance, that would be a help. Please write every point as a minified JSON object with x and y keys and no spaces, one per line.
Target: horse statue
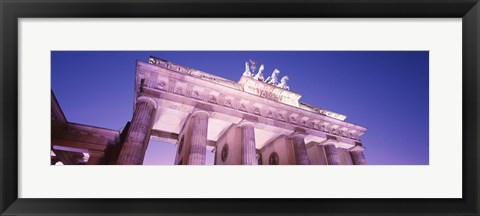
{"x":259,"y":75}
{"x":273,"y":80}
{"x":247,"y":72}
{"x":283,"y":83}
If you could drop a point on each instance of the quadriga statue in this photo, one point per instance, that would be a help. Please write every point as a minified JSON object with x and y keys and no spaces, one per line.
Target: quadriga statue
{"x":247,"y":72}
{"x":273,"y":80}
{"x":259,"y":75}
{"x":283,"y":83}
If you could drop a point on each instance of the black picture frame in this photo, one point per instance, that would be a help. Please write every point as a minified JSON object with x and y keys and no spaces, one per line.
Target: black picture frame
{"x":12,"y":10}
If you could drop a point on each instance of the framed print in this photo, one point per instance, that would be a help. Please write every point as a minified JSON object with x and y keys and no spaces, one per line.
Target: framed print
{"x":276,"y":92}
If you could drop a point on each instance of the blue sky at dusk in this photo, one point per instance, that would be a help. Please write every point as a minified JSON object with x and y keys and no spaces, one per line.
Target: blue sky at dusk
{"x":384,"y":91}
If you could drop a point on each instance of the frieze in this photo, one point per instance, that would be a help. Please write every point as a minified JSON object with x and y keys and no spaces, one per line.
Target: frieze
{"x":161,"y":85}
{"x":292,"y":118}
{"x":228,"y":103}
{"x":212,"y":99}
{"x":323,"y":112}
{"x":179,"y":91}
{"x":256,"y":111}
{"x":270,"y":114}
{"x":192,"y":72}
{"x":243,"y":107}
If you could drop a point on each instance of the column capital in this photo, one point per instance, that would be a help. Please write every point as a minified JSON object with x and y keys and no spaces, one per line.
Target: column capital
{"x":333,"y":157}
{"x":328,"y":142}
{"x":198,"y":111}
{"x":148,"y":99}
{"x":356,"y":149}
{"x":358,"y":158}
{"x":245,"y":122}
{"x":297,"y":134}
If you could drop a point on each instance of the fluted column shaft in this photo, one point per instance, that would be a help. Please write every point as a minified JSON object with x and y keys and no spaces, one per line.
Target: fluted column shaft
{"x":358,"y":158}
{"x":301,"y":156}
{"x":132,"y":152}
{"x":249,"y":151}
{"x":198,"y":147}
{"x":332,"y":155}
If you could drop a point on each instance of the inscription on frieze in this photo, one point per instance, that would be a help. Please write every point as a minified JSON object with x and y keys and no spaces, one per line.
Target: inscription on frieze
{"x":269,"y":91}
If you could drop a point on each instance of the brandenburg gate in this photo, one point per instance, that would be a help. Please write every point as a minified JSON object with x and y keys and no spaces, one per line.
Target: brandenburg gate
{"x":255,"y":121}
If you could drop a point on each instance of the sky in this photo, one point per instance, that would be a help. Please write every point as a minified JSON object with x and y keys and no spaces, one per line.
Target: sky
{"x":384,"y":91}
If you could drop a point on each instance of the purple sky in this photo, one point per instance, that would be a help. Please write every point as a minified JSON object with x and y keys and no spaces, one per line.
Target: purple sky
{"x":386,"y":92}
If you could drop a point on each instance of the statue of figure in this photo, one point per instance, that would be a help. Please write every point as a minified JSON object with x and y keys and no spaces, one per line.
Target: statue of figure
{"x":259,"y":75}
{"x":253,"y":66}
{"x":273,"y":80}
{"x":283,"y":83}
{"x":247,"y":70}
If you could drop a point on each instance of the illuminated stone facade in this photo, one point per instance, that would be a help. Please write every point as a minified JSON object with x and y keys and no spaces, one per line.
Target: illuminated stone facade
{"x":254,"y":121}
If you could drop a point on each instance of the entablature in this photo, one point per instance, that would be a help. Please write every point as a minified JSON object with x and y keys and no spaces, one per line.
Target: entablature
{"x":168,"y":82}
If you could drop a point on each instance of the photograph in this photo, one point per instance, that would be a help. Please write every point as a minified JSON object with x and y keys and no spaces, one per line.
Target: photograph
{"x":240,"y":107}
{"x":387,"y":91}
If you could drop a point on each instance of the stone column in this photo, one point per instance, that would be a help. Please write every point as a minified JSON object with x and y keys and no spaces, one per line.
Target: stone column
{"x":301,"y":156}
{"x":132,"y":152}
{"x":95,"y":158}
{"x":249,"y":151}
{"x":332,"y":155}
{"x":358,"y":158}
{"x":198,"y":140}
